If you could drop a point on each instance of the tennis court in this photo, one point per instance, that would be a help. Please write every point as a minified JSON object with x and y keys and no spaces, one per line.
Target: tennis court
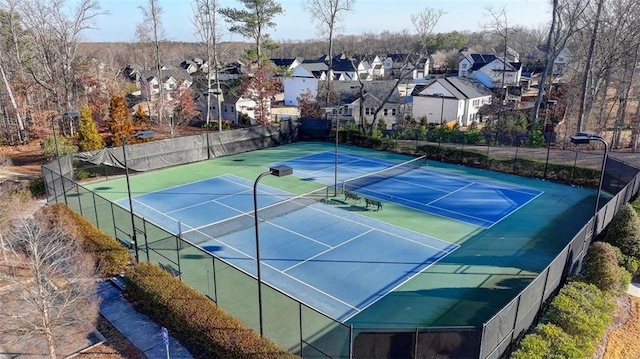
{"x":475,"y":201}
{"x":335,"y":261}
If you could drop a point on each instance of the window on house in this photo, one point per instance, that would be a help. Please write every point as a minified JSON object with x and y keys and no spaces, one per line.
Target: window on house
{"x":464,"y":66}
{"x":366,"y":111}
{"x":393,"y":112}
{"x":385,"y":112}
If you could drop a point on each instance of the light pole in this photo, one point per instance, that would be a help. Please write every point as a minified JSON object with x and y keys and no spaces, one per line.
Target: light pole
{"x":441,"y":95}
{"x":278,"y":171}
{"x":586,"y":137}
{"x":70,"y":114}
{"x":334,"y":113}
{"x":139,"y":134}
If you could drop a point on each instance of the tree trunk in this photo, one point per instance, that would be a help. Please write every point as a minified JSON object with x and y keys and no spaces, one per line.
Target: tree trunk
{"x":548,"y":66}
{"x":587,"y":67}
{"x":21,"y":134}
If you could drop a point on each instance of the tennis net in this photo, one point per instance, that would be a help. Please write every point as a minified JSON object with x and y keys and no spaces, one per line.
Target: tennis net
{"x":246,"y":220}
{"x":371,"y":178}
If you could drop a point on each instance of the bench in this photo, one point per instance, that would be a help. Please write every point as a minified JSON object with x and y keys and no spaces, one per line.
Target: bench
{"x":170,"y":269}
{"x":351,"y":195}
{"x":373,"y":203}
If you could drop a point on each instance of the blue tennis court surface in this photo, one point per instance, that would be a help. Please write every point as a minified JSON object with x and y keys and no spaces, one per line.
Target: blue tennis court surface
{"x":472,"y":200}
{"x":335,"y":261}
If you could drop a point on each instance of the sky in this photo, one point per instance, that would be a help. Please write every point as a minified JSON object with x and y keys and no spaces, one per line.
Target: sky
{"x":373,"y":16}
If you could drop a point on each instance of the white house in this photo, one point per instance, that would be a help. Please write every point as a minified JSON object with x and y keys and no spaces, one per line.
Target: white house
{"x":492,"y":71}
{"x":373,"y":94}
{"x":172,"y":81}
{"x":450,"y":98}
{"x":561,"y":62}
{"x":304,"y":77}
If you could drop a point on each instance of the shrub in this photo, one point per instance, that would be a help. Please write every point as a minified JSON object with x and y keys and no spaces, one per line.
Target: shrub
{"x":111,"y":257}
{"x":548,"y":341}
{"x":630,"y":263}
{"x":194,"y":318}
{"x":601,"y":267}
{"x":36,"y":187}
{"x":624,"y":231}
{"x":581,"y":310}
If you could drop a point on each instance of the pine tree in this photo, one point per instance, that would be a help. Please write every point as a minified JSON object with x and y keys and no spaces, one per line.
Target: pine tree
{"x":140,"y":119}
{"x":88,"y":137}
{"x":120,"y":123}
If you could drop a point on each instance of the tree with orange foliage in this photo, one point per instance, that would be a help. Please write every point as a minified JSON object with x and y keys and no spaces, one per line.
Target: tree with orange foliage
{"x":309,"y":106}
{"x":260,"y":85}
{"x":140,"y":119}
{"x":120,"y":122}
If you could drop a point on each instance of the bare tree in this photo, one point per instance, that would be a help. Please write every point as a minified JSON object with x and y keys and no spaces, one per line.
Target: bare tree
{"x":55,"y":29}
{"x":424,"y":22}
{"x":566,"y":18}
{"x":206,"y":23}
{"x":499,"y":24}
{"x":51,"y":286}
{"x":327,"y":14}
{"x":150,"y":30}
{"x":587,"y":67}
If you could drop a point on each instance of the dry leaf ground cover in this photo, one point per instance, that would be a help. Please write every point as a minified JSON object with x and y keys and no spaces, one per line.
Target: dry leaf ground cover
{"x":624,"y":342}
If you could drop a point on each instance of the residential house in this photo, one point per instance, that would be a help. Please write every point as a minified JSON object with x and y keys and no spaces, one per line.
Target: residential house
{"x":422,"y":68}
{"x":395,"y":65}
{"x":171,"y":81}
{"x":228,"y":104}
{"x":343,"y":69}
{"x":304,"y":77}
{"x":377,"y":68}
{"x":491,"y":70}
{"x":288,"y":64}
{"x":374,"y":93}
{"x":447,"y":99}
{"x":561,"y":62}
{"x":190,"y":66}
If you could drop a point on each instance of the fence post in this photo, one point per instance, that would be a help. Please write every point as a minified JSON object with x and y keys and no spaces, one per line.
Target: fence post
{"x":95,"y":208}
{"x":351,"y":342}
{"x":415,"y":345}
{"x":301,"y":338}
{"x":79,"y":201}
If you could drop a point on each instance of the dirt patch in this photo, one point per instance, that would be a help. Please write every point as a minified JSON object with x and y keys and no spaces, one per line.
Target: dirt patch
{"x":623,"y":341}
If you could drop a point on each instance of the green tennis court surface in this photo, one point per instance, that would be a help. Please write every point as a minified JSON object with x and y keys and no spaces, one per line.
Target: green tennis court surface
{"x":467,"y":286}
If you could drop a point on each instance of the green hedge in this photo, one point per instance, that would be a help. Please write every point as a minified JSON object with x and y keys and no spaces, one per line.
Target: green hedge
{"x":576,"y":322}
{"x":209,"y":331}
{"x":111,"y":257}
{"x":601,"y":268}
{"x":624,"y":231}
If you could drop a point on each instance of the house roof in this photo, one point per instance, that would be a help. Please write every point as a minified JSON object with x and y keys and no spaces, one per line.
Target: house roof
{"x":460,"y":87}
{"x":349,"y":91}
{"x":398,"y":57}
{"x":482,"y":58}
{"x":344,"y":65}
{"x":283,"y":62}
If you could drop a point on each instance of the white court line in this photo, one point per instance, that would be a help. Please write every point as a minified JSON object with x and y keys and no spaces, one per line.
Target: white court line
{"x":387,"y":232}
{"x":432,"y":206}
{"x":298,"y":234}
{"x":329,"y":250}
{"x":279,"y":271}
{"x":208,"y":201}
{"x":180,"y":224}
{"x":480,"y":180}
{"x":450,"y":193}
{"x":512,"y":212}
{"x":382,"y":295}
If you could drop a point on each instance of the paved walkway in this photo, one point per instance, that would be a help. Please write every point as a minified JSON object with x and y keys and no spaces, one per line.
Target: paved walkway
{"x":634,"y":289}
{"x":137,"y":327}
